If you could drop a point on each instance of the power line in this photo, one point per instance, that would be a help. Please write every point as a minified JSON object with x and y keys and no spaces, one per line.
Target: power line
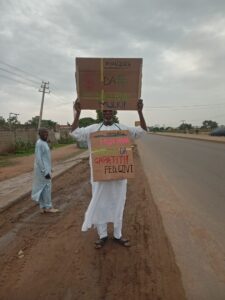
{"x":8,"y":71}
{"x":24,"y":83}
{"x":20,"y":70}
{"x":184,"y":106}
{"x":59,"y":97}
{"x":65,"y":103}
{"x":16,"y":80}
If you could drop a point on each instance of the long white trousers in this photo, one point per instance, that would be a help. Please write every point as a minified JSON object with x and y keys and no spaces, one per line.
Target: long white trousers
{"x":102,"y":230}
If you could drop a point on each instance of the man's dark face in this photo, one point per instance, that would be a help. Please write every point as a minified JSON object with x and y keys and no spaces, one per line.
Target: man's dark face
{"x":107,"y":117}
{"x":44,"y":135}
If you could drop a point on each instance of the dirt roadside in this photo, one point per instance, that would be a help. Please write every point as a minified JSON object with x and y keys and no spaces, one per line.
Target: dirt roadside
{"x":59,"y":261}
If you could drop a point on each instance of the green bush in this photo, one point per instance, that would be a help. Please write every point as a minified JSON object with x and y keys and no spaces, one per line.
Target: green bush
{"x":24,"y":147}
{"x":66,"y":140}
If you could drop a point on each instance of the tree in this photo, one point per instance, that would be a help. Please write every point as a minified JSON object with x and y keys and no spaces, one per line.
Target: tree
{"x":185,"y":126}
{"x":84,"y":122}
{"x":154,"y":128}
{"x":44,"y":123}
{"x":3,"y":122}
{"x":208,"y":124}
{"x":33,"y":122}
{"x":48,"y":124}
{"x":100,"y":116}
{"x":13,"y":121}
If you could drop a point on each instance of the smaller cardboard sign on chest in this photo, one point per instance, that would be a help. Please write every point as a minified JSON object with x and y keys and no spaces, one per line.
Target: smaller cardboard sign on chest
{"x":111,"y":154}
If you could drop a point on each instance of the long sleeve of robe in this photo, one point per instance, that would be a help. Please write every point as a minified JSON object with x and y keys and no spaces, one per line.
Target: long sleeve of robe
{"x":108,"y":197}
{"x":42,"y":167}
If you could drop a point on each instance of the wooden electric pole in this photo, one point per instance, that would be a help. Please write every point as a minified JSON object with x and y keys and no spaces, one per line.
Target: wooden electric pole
{"x":44,"y":89}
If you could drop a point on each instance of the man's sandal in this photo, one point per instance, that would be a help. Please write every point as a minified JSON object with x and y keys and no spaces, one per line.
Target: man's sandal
{"x":49,"y":210}
{"x":122,"y":241}
{"x":101,"y":242}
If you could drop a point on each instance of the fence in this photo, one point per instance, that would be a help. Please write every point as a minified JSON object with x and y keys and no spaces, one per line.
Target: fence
{"x":9,"y":138}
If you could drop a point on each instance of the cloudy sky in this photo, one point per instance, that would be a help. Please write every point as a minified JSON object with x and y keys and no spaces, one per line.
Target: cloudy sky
{"x":182,"y":44}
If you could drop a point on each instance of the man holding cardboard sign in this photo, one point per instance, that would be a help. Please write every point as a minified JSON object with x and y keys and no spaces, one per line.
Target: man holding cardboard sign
{"x":109,"y":196}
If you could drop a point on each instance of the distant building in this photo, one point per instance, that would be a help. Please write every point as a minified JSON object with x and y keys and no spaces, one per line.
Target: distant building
{"x":62,"y":132}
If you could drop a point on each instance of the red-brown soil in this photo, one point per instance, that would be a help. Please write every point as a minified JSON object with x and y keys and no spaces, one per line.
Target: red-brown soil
{"x":58,"y":261}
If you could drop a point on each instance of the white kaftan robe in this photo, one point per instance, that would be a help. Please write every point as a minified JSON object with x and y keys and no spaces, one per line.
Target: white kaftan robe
{"x":41,"y":188}
{"x":108,"y":197}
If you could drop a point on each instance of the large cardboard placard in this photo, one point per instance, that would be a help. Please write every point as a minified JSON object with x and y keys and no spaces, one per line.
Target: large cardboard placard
{"x":108,"y":83}
{"x":111,"y":154}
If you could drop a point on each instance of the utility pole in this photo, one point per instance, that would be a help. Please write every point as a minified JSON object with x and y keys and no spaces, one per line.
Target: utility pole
{"x":44,"y":89}
{"x":184,"y":127}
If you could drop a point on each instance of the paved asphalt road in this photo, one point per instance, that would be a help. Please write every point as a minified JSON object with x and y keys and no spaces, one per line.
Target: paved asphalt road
{"x":187,"y":179}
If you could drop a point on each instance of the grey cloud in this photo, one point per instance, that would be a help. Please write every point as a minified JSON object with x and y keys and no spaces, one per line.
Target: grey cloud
{"x":44,"y":38}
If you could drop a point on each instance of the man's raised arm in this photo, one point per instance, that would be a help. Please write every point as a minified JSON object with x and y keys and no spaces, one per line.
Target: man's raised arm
{"x":77,"y":111}
{"x":142,"y":119}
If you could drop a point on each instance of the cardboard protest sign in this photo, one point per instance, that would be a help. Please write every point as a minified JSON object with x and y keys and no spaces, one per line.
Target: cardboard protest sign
{"x":108,"y":83}
{"x":111,"y":154}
